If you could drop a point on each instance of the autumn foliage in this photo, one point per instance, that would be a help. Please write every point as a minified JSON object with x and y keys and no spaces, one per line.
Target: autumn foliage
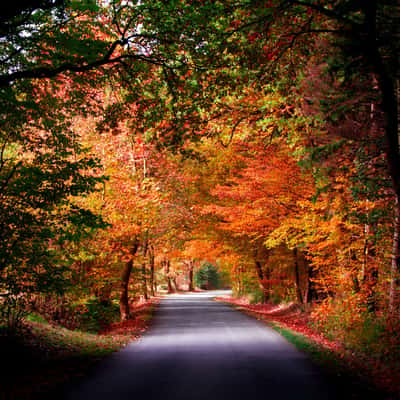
{"x":142,"y":142}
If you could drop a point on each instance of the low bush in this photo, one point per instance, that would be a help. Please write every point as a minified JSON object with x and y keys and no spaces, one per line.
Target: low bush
{"x":256,"y":296}
{"x":348,"y":321}
{"x":89,"y":314}
{"x":94,"y":315}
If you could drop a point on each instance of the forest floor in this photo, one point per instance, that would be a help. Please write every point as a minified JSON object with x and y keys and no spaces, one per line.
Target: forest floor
{"x":43,"y":357}
{"x":347,"y":368}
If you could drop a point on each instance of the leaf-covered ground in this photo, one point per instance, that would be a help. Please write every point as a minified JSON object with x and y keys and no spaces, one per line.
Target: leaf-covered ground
{"x":357,"y":373}
{"x":43,"y":357}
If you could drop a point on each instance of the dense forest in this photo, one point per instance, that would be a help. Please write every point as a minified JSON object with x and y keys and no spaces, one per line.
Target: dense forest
{"x":152,"y":146}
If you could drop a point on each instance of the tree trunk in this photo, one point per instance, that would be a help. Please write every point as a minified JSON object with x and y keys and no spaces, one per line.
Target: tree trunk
{"x":124,"y":294}
{"x":173,"y":279}
{"x":393,"y":158}
{"x":155,"y":283}
{"x":387,"y":84}
{"x":297,"y":277}
{"x":394,"y":270}
{"x":261,"y":281}
{"x":144,"y":282}
{"x":168,"y":275}
{"x":153,"y":289}
{"x":307,"y":290}
{"x":144,"y":273}
{"x":369,"y":272}
{"x":191,"y":268}
{"x":240,"y":284}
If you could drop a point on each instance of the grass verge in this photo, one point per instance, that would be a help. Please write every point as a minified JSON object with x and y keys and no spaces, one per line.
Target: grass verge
{"x":42,"y":358}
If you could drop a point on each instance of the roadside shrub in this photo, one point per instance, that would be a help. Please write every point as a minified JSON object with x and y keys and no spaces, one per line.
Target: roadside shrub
{"x":256,"y":296}
{"x":87,"y":314}
{"x":13,"y":310}
{"x":348,"y":321}
{"x":33,"y":317}
{"x":94,"y":315}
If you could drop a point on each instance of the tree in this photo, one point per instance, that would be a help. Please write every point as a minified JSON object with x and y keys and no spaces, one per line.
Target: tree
{"x":130,"y":202}
{"x":207,"y":277}
{"x":359,"y":43}
{"x":43,"y":168}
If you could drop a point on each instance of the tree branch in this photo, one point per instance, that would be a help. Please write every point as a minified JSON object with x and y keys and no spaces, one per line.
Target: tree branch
{"x":324,"y":11}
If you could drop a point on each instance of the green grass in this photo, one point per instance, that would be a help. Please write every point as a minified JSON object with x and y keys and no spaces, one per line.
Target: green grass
{"x":33,"y":317}
{"x":76,"y":342}
{"x":320,"y":355}
{"x":345,"y":376}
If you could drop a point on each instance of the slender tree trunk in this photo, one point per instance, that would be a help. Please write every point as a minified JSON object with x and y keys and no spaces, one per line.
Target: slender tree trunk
{"x":144,"y":281}
{"x":173,"y":279}
{"x":307,"y":290}
{"x":124,"y":294}
{"x":240,"y":281}
{"x":152,"y":277}
{"x":369,"y":272}
{"x":261,"y":281}
{"x":191,"y":268}
{"x":168,"y":275}
{"x":297,"y":276}
{"x":394,"y":270}
{"x":144,"y":272}
{"x":155,"y":283}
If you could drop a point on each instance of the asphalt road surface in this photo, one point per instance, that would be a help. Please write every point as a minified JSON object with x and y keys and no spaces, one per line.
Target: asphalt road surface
{"x":200,"y":349}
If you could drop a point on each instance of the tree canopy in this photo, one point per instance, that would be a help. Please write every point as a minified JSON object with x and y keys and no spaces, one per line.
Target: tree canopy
{"x":144,"y":143}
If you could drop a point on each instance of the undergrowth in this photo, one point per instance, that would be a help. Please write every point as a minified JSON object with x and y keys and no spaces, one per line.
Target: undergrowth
{"x":42,"y":357}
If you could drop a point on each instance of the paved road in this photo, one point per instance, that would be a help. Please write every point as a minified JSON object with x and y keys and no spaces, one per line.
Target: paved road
{"x":200,"y":349}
